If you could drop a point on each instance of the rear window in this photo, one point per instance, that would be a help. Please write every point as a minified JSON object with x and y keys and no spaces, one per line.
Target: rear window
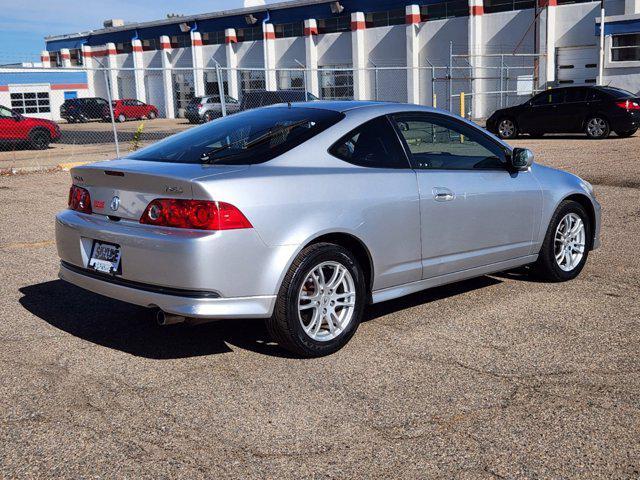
{"x":254,"y":136}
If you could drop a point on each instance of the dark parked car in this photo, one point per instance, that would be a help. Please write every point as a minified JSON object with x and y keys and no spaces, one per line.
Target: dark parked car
{"x":593,"y":110}
{"x":84,"y":109}
{"x":18,"y":129}
{"x":263,"y":98}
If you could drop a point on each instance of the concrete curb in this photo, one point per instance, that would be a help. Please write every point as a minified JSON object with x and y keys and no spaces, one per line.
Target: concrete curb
{"x":53,"y":168}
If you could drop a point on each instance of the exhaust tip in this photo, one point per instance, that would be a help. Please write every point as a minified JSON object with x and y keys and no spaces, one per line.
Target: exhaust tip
{"x":163,"y":318}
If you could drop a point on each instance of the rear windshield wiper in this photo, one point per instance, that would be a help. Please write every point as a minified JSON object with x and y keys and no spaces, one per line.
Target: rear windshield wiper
{"x":208,"y":157}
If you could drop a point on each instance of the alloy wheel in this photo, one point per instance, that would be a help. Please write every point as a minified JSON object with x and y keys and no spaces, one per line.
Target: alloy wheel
{"x":569,"y":244}
{"x":326,"y":301}
{"x":506,"y":128}
{"x":596,"y":127}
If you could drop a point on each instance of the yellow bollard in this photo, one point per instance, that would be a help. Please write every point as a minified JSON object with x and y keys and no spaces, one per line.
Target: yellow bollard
{"x":435,"y":101}
{"x":462,"y":104}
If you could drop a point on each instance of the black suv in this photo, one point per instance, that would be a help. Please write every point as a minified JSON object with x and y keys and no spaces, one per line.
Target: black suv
{"x":84,"y":109}
{"x":262,"y":98}
{"x":593,"y":110}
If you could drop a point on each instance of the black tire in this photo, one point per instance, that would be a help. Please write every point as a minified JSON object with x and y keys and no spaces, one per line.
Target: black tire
{"x":208,"y":117}
{"x":122,"y":118}
{"x":626,"y":133}
{"x":39,"y":139}
{"x":601,"y":131}
{"x":285,"y":325}
{"x":507,"y":128}
{"x":152,"y":115}
{"x":546,"y":267}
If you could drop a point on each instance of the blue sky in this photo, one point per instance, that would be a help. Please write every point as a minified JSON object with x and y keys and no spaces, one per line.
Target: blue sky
{"x":25,"y":23}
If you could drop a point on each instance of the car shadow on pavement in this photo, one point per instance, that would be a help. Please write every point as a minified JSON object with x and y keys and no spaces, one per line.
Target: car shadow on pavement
{"x":132,"y":329}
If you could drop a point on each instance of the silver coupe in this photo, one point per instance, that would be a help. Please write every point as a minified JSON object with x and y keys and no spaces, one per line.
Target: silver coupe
{"x":303,"y":214}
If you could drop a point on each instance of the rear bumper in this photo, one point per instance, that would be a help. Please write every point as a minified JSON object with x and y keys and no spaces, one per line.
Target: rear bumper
{"x":223,"y":274}
{"x":188,"y":306}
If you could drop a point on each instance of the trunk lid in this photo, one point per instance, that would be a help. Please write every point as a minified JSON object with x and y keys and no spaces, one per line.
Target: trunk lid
{"x":124,"y":188}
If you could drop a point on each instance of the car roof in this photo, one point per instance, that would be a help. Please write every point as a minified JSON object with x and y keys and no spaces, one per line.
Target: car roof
{"x":346,"y":105}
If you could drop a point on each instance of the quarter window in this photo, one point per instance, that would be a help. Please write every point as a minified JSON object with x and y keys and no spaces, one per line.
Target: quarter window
{"x":373,"y":144}
{"x":575,"y":95}
{"x":444,"y":144}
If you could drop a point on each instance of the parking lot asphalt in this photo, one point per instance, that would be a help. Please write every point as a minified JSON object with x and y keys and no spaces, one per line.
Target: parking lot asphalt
{"x":497,"y":377}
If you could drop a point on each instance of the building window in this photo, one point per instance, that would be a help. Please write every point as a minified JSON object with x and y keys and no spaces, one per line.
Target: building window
{"x":124,"y":47}
{"x":295,"y":29}
{"x":335,"y":24}
{"x":493,"y":6}
{"x":151,"y":44}
{"x":252,"y":80}
{"x":180,"y":41}
{"x":291,"y":79}
{"x":625,"y":48}
{"x":34,"y":102}
{"x":455,"y":8}
{"x":336,"y":84}
{"x":249,"y":34}
{"x":384,"y":19}
{"x":56,"y":58}
{"x":76,"y":56}
{"x":213,"y":38}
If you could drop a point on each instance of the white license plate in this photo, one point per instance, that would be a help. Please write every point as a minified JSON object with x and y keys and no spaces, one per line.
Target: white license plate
{"x":105,"y":257}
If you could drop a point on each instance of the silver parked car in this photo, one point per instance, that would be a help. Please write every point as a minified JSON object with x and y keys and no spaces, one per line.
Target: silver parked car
{"x":209,"y":107}
{"x":304,"y":214}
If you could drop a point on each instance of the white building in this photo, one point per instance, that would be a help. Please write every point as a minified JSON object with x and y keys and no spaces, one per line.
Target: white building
{"x":339,"y":43}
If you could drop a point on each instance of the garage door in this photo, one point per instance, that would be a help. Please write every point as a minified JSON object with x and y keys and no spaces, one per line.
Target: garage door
{"x":577,"y":65}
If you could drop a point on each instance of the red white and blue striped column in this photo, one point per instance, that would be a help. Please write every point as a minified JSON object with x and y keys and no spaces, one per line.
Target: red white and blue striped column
{"x":65,"y":57}
{"x":359,"y":59}
{"x":231,"y":41}
{"x":89,"y":64}
{"x":547,"y":39}
{"x":138,"y":72}
{"x":476,"y":50}
{"x":112,"y":62}
{"x":412,"y":20}
{"x":167,"y":80}
{"x":311,"y":56}
{"x":269,"y":35}
{"x":45,"y":59}
{"x":197,"y":63}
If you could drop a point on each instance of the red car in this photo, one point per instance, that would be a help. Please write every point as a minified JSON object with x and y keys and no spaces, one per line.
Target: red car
{"x":131,"y":108}
{"x":36,"y":132}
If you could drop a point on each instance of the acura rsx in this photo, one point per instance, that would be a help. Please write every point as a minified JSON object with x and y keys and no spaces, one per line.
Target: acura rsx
{"x":302,"y":214}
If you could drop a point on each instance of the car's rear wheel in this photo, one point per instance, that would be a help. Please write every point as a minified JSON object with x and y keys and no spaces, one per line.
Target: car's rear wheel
{"x":121,"y":118}
{"x":209,"y":117}
{"x":151,"y":115}
{"x":39,"y":139}
{"x":566,"y":244}
{"x":507,"y":128}
{"x":597,"y":127}
{"x":626,"y":133}
{"x":320,"y":302}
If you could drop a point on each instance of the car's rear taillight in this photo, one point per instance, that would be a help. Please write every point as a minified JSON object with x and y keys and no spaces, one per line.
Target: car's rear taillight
{"x":629,"y":105}
{"x":199,"y":105}
{"x":196,"y":214}
{"x":79,"y":199}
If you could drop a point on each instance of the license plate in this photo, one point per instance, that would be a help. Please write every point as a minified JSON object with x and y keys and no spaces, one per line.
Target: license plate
{"x":105,"y":257}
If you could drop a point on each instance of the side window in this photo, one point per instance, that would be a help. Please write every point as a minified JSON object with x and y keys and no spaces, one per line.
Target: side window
{"x":549,"y":97}
{"x":593,"y":96}
{"x":373,"y":144}
{"x":443,"y":144}
{"x":5,"y":112}
{"x":575,"y":95}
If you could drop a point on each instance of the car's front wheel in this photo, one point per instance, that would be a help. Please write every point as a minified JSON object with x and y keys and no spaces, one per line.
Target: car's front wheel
{"x":320,"y":302}
{"x":39,"y":139}
{"x":597,"y":127}
{"x":626,"y":133}
{"x":566,"y":244}
{"x":121,"y":118}
{"x":507,"y":128}
{"x":152,"y":115}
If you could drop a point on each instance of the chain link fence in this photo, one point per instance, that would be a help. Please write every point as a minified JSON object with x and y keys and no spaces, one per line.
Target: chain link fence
{"x":59,"y":116}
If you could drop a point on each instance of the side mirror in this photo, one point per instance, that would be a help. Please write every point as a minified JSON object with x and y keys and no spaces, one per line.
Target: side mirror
{"x":521,"y":159}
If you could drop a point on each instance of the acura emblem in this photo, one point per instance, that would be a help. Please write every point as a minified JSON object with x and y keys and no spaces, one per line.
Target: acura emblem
{"x":115,"y":203}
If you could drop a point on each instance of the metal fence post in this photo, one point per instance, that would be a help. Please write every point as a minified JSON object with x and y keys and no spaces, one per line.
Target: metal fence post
{"x":223,"y":100}
{"x":501,"y":79}
{"x":113,"y":120}
{"x":450,"y":75}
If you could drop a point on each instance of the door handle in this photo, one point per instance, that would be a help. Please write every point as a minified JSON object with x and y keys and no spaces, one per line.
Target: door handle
{"x":442,"y":194}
